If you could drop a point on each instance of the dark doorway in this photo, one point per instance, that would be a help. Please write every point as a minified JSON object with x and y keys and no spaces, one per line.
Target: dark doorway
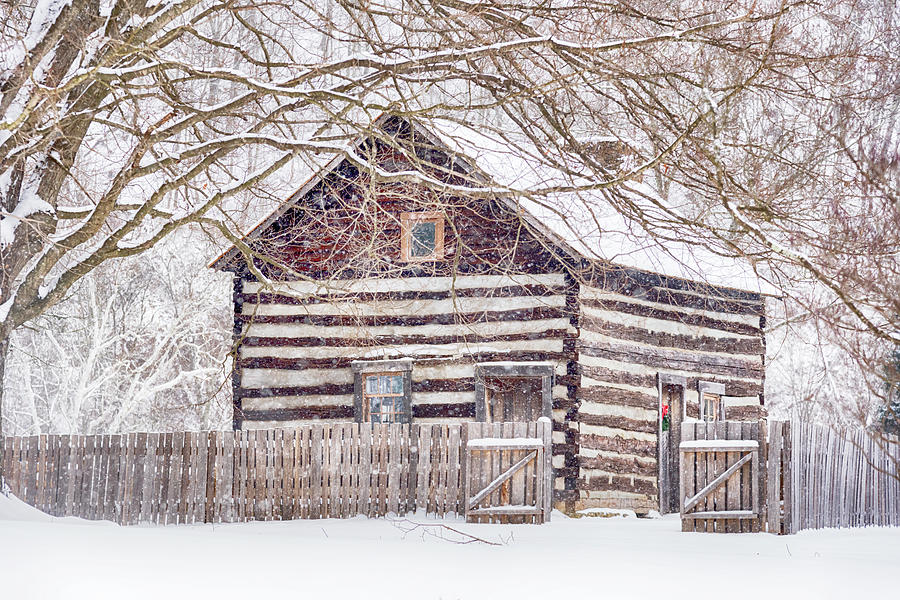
{"x":671,"y":415}
{"x":513,"y":399}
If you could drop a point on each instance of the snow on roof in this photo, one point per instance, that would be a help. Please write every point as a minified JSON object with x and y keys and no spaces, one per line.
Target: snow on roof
{"x":587,"y":221}
{"x":583,"y":223}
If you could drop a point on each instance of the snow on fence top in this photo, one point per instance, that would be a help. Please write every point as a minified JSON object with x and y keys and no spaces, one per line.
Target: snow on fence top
{"x":715,"y":444}
{"x":517,"y":442}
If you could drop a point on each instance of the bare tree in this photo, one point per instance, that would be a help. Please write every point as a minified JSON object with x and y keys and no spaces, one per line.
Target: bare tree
{"x":754,"y":125}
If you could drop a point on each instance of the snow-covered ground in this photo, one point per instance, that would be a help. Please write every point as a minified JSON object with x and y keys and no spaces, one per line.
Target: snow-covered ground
{"x":44,"y":558}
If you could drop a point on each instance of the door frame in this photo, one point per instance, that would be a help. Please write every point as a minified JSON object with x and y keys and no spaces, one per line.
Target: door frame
{"x":518,"y":370}
{"x":664,"y":380}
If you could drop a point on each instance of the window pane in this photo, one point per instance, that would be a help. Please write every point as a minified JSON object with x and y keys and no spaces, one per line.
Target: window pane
{"x":396,"y":384}
{"x":372,"y":384}
{"x":422,"y":242}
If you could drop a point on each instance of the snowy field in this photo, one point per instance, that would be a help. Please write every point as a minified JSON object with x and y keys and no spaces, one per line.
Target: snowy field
{"x":45,"y":558}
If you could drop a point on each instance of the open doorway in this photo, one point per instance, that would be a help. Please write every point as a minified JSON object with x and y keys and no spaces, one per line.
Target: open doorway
{"x":671,"y":415}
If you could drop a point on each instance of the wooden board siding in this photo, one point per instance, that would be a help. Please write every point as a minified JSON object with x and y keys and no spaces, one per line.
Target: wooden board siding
{"x":297,"y":341}
{"x":633,"y":326}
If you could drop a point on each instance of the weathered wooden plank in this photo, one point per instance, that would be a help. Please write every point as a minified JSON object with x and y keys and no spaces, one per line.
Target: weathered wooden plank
{"x":149,"y":478}
{"x":163,"y":516}
{"x":423,"y":474}
{"x":760,"y":476}
{"x":272,"y":458}
{"x":687,"y":468}
{"x":348,"y":468}
{"x":261,"y":509}
{"x":701,"y":475}
{"x":195,"y":492}
{"x":213,"y":477}
{"x":62,"y":482}
{"x":394,"y":470}
{"x":788,"y":479}
{"x":548,"y":478}
{"x":453,"y":464}
{"x":720,"y":457}
{"x":112,"y":450}
{"x":383,"y":435}
{"x":333,"y":496}
{"x":317,"y":452}
{"x":364,"y":505}
{"x":743,"y":502}
{"x":733,"y":487}
{"x":227,"y":495}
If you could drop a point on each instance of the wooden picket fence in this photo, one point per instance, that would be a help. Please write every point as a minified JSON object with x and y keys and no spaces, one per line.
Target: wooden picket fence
{"x":318,"y":471}
{"x":843,"y":478}
{"x":807,"y":477}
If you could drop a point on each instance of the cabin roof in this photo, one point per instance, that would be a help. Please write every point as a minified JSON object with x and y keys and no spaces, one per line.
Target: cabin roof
{"x":582,"y":225}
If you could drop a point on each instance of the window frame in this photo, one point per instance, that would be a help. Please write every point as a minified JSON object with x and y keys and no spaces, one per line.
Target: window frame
{"x":362,"y":369}
{"x":407,"y":220}
{"x":543,"y":371}
{"x":714,"y":390}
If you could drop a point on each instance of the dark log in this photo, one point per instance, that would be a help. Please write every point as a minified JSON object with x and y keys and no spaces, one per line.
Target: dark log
{"x":617,"y":422}
{"x":299,"y":414}
{"x":686,"y":342}
{"x":620,"y":279}
{"x":601,"y":394}
{"x":614,"y":376}
{"x":266,"y":362}
{"x":619,"y":464}
{"x":653,"y":357}
{"x":642,"y":310}
{"x":745,"y":413}
{"x":523,"y":314}
{"x":617,"y":483}
{"x":529,"y":290}
{"x":325,"y":389}
{"x":618,"y":444}
{"x":397,"y":340}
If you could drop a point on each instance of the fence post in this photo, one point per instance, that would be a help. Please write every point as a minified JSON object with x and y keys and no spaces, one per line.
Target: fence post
{"x":773,"y":474}
{"x":547,"y":436}
{"x":788,"y":482}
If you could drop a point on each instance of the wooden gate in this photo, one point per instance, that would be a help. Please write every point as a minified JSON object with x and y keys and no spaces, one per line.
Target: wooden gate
{"x":508,"y":472}
{"x":721,"y":477}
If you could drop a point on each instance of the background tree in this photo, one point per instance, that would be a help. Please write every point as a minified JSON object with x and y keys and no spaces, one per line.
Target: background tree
{"x":889,"y":412}
{"x":754,"y":129}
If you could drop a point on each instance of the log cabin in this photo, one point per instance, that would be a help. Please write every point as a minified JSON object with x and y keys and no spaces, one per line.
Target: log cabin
{"x":388,"y":300}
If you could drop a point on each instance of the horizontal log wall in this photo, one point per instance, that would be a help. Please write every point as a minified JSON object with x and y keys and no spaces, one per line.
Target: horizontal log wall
{"x":633,"y":326}
{"x":297,"y":341}
{"x":316,"y":471}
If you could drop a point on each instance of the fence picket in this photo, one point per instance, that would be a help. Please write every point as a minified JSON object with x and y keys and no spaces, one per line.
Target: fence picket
{"x":825,"y":477}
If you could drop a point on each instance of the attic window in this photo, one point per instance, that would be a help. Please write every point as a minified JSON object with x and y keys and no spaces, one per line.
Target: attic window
{"x":422,"y":236}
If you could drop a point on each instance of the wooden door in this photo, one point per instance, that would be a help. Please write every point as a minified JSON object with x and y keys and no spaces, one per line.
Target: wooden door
{"x":669,"y":439}
{"x":512,"y":399}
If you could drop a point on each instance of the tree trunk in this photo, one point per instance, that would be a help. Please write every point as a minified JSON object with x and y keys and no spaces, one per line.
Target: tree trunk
{"x":4,"y":351}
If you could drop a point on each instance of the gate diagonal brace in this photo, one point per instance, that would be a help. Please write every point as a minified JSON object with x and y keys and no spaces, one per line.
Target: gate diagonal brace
{"x":715,"y":483}
{"x":501,"y":478}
